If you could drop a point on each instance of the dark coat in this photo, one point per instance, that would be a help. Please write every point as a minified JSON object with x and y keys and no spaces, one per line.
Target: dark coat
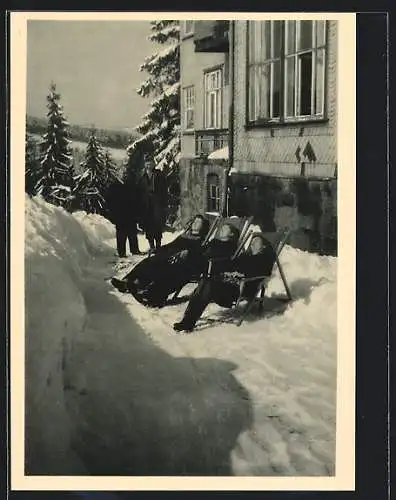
{"x":153,"y":199}
{"x":247,"y":264}
{"x":225,"y":292}
{"x":260,"y":264}
{"x":122,"y":205}
{"x":154,"y":278}
{"x":220,"y":252}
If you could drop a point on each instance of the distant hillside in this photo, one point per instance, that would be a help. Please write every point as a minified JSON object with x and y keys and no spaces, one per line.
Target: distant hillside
{"x":118,"y":139}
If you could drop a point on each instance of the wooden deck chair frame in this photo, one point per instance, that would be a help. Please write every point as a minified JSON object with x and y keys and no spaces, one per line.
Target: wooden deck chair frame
{"x":262,"y":281}
{"x":246,"y":222}
{"x":220,"y":221}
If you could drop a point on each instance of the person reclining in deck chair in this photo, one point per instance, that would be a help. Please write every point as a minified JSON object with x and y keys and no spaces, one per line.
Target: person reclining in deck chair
{"x":180,"y":255}
{"x":153,"y":288}
{"x":178,"y":269}
{"x":222,"y":285}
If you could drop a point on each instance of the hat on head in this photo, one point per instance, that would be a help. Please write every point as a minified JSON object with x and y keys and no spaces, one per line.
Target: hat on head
{"x":148,"y":156}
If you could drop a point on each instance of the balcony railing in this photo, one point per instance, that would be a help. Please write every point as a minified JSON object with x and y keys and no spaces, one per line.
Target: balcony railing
{"x":207,"y":141}
{"x":211,"y":36}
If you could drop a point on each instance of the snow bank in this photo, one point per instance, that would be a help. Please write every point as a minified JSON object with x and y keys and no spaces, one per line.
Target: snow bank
{"x":57,"y":249}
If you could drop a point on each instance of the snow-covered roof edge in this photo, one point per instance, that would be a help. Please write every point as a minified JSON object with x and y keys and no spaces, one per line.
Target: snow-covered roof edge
{"x":219,"y":154}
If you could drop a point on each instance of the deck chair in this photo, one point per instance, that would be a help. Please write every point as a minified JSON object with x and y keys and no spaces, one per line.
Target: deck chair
{"x":278,"y":240}
{"x":241,"y":223}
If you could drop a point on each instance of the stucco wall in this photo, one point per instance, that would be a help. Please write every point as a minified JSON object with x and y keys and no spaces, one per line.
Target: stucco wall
{"x":193,"y":64}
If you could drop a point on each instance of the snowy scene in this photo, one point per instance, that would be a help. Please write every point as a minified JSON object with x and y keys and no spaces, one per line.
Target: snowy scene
{"x":133,"y":397}
{"x":181,"y":248}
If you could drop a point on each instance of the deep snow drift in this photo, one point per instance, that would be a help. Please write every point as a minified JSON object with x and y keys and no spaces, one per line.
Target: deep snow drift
{"x":110,"y":380}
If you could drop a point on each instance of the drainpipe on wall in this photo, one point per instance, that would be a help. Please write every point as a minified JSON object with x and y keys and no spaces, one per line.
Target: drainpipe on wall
{"x":230,"y":119}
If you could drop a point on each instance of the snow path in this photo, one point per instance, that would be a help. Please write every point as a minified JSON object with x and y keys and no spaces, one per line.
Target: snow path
{"x":257,"y":400}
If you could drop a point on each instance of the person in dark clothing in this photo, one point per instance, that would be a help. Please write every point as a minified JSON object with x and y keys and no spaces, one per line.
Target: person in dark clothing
{"x":179,"y":272}
{"x":122,"y":213}
{"x":222,"y":285}
{"x":183,"y":266}
{"x":155,"y":277}
{"x":153,"y":194}
{"x":222,"y":247}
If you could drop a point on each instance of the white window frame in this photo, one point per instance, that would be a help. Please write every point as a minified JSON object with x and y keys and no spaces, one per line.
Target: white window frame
{"x":188,"y":25}
{"x":214,"y":195}
{"x":188,"y":106}
{"x":296,"y":56}
{"x":264,"y":63}
{"x":213,"y":99}
{"x":257,"y":61}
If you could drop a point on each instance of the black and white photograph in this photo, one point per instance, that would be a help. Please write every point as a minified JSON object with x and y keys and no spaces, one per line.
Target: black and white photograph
{"x":182,"y":247}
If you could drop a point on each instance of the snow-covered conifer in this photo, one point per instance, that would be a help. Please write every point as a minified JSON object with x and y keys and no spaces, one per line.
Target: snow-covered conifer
{"x":98,"y":172}
{"x":32,"y":165}
{"x":160,"y":126}
{"x":56,"y":176}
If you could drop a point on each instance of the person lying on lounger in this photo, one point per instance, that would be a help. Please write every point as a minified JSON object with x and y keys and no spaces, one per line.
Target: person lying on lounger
{"x":155,"y":278}
{"x":185,"y":249}
{"x":222,"y":285}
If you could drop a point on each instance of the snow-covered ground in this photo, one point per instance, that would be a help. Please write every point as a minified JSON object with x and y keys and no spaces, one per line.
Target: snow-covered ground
{"x":255,"y":400}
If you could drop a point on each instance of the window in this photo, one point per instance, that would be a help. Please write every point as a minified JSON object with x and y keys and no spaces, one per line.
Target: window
{"x":213,"y":98}
{"x":286,"y":70}
{"x":188,"y":27}
{"x":213,"y":193}
{"x":188,"y":107}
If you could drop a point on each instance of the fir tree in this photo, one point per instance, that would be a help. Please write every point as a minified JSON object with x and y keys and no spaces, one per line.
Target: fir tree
{"x":111,"y":168}
{"x":56,"y":177}
{"x":160,"y":127}
{"x":32,"y":165}
{"x":99,"y":172}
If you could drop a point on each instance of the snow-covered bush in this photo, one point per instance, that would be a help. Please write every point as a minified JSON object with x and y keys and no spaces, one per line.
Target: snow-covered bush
{"x":98,"y":173}
{"x":55,"y":174}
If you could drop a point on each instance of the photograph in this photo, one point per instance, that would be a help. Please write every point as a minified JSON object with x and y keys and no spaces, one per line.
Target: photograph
{"x":185,"y":266}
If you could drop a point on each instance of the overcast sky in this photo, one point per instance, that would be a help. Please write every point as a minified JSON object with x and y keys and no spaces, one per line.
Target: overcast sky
{"x":95,"y":65}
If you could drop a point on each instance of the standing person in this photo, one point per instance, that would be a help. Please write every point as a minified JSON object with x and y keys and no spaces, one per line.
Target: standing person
{"x":153,"y":194}
{"x":123,"y":214}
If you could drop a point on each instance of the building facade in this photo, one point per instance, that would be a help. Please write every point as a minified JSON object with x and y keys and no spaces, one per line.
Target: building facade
{"x":282,"y":85}
{"x":204,"y":76}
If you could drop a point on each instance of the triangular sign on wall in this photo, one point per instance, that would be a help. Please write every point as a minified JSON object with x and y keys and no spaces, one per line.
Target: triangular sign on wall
{"x":309,"y":152}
